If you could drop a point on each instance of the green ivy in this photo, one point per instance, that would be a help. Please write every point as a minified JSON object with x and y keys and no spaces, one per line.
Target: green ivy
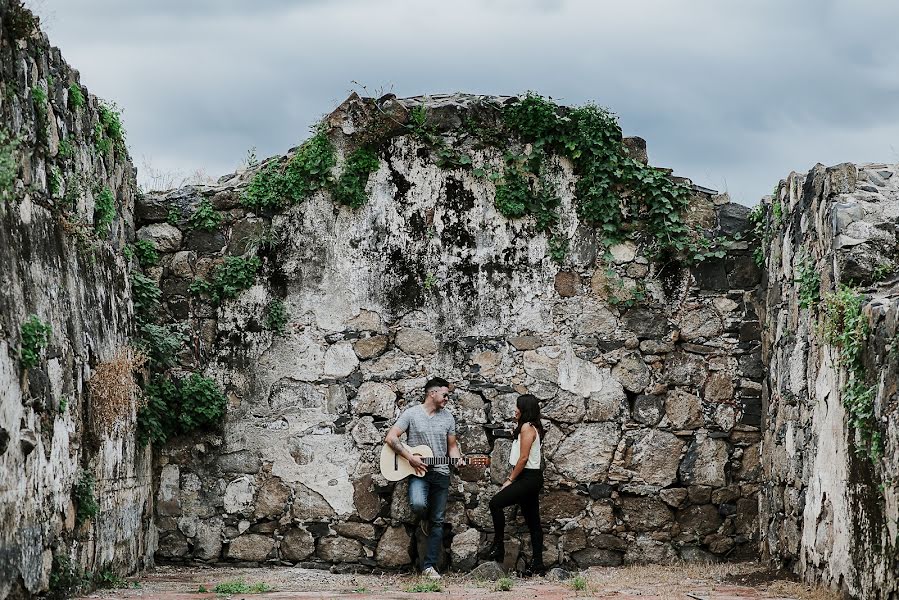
{"x":846,"y":328}
{"x":614,"y":192}
{"x":104,"y":211}
{"x":66,"y":149}
{"x":228,"y":279}
{"x":809,"y":284}
{"x":278,"y":185}
{"x":558,"y":249}
{"x":109,"y":132}
{"x":161,"y":344}
{"x":35,"y":337}
{"x":9,"y":166}
{"x":179,"y":406}
{"x":145,"y":253}
{"x":145,"y":296}
{"x":76,"y":97}
{"x":762,"y":232}
{"x":66,"y":578}
{"x":275,"y":316}
{"x":205,"y":217}
{"x":85,"y":499}
{"x":350,"y":187}
{"x":173,"y":216}
{"x":54,"y":182}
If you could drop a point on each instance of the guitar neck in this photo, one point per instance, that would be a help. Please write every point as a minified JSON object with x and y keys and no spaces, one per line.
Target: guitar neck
{"x":442,"y":460}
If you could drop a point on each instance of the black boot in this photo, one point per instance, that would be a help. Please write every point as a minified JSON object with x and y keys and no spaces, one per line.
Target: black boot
{"x":535,"y":568}
{"x":497,"y":552}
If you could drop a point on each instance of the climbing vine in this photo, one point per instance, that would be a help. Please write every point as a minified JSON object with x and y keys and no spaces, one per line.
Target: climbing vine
{"x":228,"y":279}
{"x":847,"y":328}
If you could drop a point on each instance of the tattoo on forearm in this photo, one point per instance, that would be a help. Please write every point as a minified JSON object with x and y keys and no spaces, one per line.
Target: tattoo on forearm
{"x":396,"y":444}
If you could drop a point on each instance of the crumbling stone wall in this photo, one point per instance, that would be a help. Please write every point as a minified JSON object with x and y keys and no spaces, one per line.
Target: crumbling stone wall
{"x":828,"y":509}
{"x":54,"y":265}
{"x":652,"y":409}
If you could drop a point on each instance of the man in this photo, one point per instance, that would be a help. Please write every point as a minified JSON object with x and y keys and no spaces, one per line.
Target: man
{"x":428,"y":423}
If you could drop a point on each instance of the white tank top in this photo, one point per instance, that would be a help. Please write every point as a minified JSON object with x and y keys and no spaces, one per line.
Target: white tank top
{"x":533,"y":455}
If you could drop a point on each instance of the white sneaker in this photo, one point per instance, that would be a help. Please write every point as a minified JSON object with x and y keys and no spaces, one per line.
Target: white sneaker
{"x":431,"y":573}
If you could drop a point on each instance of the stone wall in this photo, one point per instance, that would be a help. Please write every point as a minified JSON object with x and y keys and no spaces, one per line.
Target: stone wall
{"x":652,"y":410}
{"x":828,"y":511}
{"x":55,"y":265}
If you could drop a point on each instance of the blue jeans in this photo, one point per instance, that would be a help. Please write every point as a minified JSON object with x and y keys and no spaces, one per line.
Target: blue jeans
{"x":428,"y":495}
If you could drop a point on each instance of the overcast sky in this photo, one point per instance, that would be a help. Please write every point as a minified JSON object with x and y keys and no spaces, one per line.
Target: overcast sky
{"x":732,"y":94}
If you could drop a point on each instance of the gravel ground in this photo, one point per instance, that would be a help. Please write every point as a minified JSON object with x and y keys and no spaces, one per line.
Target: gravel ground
{"x":681,"y":582}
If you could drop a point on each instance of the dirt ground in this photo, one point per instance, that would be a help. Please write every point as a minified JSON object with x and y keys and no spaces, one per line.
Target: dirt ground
{"x":680,"y":582}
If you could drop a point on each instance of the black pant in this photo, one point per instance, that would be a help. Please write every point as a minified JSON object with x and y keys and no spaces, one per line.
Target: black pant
{"x":524,"y":491}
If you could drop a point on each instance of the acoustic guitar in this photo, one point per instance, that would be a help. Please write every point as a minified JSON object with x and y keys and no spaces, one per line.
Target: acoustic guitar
{"x":394,"y":467}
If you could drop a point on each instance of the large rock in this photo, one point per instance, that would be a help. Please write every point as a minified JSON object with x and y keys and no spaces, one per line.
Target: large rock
{"x":648,"y":551}
{"x":338,"y":549}
{"x":585,"y":455}
{"x":251,"y":547}
{"x":309,"y":505}
{"x":705,"y":463}
{"x":683,"y":368}
{"x":271,"y":500}
{"x":566,"y":408}
{"x":648,"y":410}
{"x":699,"y":324}
{"x":365,"y":433}
{"x":168,"y":499}
{"x":579,"y":376}
{"x":393,"y":547}
{"x":365,"y":499}
{"x":540,"y":365}
{"x":297,"y":545}
{"x":683,"y":409}
{"x":377,"y":399}
{"x":646,"y":514}
{"x":487,"y":571}
{"x":340,"y":360}
{"x":208,"y":541}
{"x":609,"y":403}
{"x":464,"y":549}
{"x":699,"y":520}
{"x":358,"y":531}
{"x":655,"y":457}
{"x":370,"y":347}
{"x":561,"y":505}
{"x":597,"y":557}
{"x":239,"y":495}
{"x":416,"y":341}
{"x":647,"y":324}
{"x":633,"y":373}
{"x":164,"y":237}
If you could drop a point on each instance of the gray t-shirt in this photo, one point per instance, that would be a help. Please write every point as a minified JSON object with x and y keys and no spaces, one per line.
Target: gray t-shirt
{"x":430,"y":430}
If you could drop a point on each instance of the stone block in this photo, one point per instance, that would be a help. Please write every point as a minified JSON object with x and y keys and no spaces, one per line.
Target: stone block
{"x":297,"y":545}
{"x":251,"y":547}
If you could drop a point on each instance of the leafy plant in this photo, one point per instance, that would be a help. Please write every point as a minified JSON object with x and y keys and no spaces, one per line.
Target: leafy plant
{"x":882,"y":270}
{"x":66,"y":149}
{"x":275,"y":316}
{"x":35,"y":337}
{"x":504,"y":584}
{"x":76,"y":97}
{"x":424,"y":586}
{"x":108,"y":131}
{"x":350,"y":186}
{"x":277,"y":185}
{"x":8,"y":164}
{"x":558,"y":248}
{"x":763,"y":234}
{"x":179,"y":406}
{"x":54,"y":182}
{"x":205,"y":217}
{"x":145,"y":253}
{"x":104,"y":211}
{"x":84,"y":498}
{"x":240,"y":587}
{"x":109,"y":580}
{"x":145,"y":296}
{"x":430,"y":282}
{"x":579,"y":583}
{"x":173,"y":216}
{"x":66,"y":578}
{"x":160,"y":343}
{"x":63,"y":404}
{"x":228,"y":279}
{"x":809,"y":284}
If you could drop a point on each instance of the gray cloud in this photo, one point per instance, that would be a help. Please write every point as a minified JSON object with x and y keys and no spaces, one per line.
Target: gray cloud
{"x":733,"y":95}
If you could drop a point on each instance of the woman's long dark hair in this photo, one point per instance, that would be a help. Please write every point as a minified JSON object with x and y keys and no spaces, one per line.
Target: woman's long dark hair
{"x":530,"y":413}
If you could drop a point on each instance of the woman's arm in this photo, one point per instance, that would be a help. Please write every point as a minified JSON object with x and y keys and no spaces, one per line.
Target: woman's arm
{"x":527,"y":436}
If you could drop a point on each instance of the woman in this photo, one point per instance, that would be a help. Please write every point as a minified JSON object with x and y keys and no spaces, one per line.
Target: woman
{"x":524,"y":482}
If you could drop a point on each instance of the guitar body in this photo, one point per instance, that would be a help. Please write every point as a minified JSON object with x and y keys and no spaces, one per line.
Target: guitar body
{"x":394,"y":467}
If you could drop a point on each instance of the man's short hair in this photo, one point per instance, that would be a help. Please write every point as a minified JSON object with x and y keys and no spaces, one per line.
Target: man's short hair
{"x":434,"y":383}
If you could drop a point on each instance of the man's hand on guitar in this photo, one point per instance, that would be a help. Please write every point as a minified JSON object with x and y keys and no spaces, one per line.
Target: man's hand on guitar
{"x":417,"y":464}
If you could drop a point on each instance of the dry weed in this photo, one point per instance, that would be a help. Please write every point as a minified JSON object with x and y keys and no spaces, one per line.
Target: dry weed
{"x":801,"y":591}
{"x":114,"y":390}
